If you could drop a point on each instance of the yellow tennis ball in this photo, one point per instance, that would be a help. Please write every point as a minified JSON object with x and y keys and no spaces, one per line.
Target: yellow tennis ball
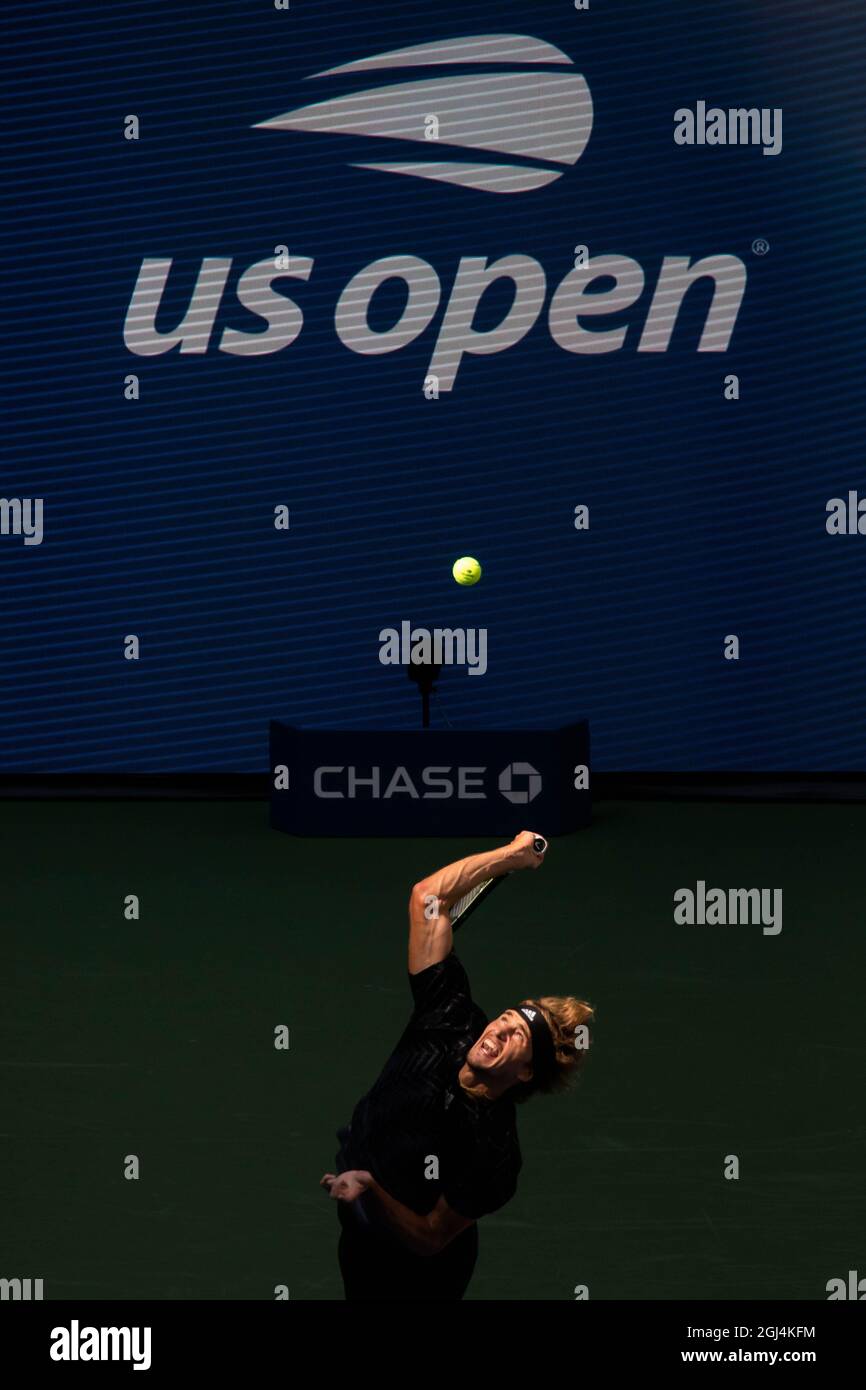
{"x":466,"y":570}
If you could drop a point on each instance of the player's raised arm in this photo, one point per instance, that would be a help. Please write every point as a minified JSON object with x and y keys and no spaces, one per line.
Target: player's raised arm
{"x":430,"y":936}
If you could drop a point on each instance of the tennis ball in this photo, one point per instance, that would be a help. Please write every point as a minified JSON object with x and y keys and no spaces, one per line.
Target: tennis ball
{"x":466,"y":570}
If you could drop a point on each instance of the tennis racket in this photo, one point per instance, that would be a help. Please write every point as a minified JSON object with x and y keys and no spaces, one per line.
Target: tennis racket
{"x":466,"y":905}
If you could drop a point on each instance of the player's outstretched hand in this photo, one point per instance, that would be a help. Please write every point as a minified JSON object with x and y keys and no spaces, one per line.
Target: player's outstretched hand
{"x":348,"y":1186}
{"x":525,"y":854}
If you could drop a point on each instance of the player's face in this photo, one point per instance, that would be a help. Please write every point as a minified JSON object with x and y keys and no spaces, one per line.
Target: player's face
{"x":504,"y":1048}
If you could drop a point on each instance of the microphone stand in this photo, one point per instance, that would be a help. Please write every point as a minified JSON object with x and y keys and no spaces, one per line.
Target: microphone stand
{"x":424,"y":674}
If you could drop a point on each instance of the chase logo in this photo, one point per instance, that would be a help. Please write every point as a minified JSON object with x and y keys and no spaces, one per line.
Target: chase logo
{"x":540,"y":119}
{"x":520,"y":796}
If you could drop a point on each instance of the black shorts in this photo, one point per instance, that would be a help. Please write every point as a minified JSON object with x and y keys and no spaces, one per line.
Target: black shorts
{"x":375,"y":1268}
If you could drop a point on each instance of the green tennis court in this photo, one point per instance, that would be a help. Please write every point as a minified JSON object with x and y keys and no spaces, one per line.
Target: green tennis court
{"x":155,"y":1038}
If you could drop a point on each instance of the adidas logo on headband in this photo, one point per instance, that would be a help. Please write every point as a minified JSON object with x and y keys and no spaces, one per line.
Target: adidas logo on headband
{"x":543,"y":1046}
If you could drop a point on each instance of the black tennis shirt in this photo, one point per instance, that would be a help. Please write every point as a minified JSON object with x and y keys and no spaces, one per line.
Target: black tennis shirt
{"x":418,"y":1112}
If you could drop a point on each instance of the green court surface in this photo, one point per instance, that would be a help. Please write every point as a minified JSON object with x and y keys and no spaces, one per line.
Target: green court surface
{"x":155,"y":1038}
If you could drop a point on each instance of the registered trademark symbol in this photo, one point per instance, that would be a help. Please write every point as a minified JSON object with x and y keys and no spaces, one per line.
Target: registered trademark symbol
{"x":760,"y":246}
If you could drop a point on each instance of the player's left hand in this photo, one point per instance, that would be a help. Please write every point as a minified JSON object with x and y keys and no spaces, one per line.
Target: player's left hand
{"x":347,"y":1186}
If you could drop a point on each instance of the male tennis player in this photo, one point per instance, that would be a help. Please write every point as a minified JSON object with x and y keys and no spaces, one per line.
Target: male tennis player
{"x":433,"y":1146}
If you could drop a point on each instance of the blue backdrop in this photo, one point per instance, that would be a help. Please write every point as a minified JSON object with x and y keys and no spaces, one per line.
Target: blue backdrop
{"x":707,"y":516}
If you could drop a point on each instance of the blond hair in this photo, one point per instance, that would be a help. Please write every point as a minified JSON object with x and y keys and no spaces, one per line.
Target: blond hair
{"x":569,"y":1021}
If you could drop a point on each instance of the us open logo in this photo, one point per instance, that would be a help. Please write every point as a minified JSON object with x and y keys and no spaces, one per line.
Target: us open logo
{"x":541,"y":119}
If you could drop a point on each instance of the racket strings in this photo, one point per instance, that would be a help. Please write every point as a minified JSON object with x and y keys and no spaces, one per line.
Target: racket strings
{"x":459,"y":908}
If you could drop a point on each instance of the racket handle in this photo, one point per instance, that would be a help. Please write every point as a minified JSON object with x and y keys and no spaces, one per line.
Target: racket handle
{"x":539,"y":844}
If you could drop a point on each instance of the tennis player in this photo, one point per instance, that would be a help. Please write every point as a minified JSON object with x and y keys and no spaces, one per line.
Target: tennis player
{"x":433,"y":1147}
